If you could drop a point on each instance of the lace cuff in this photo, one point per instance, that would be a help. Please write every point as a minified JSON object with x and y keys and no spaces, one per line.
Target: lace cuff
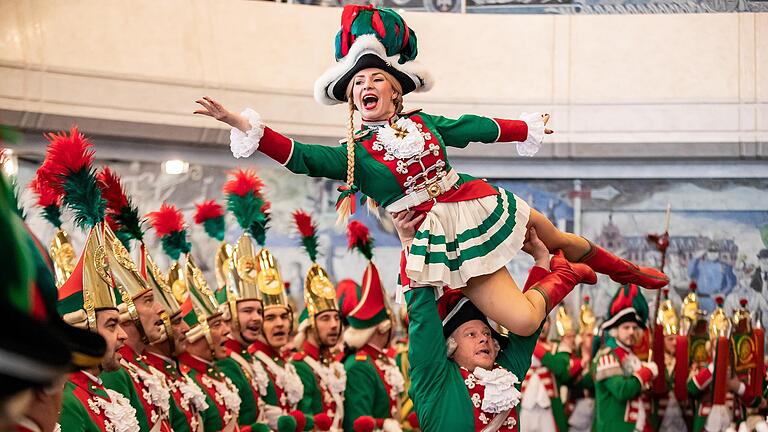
{"x":531,"y":145}
{"x":243,"y":144}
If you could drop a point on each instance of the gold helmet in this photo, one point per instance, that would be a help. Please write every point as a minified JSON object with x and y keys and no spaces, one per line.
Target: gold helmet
{"x":690,"y":312}
{"x":319,"y":293}
{"x":719,"y":324}
{"x":90,"y":287}
{"x":128,"y":281}
{"x":587,"y":320}
{"x":204,"y":304}
{"x":667,"y":317}
{"x":269,"y":281}
{"x":251,"y":210}
{"x":62,"y":253}
{"x":222,"y":264}
{"x":242,"y":277}
{"x":564,"y":324}
{"x":163,"y":293}
{"x":63,"y":256}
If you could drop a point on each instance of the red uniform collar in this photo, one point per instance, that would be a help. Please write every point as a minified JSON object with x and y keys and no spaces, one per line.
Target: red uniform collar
{"x":265,"y":348}
{"x":234,"y":346}
{"x":373,"y":351}
{"x":130,"y":355}
{"x":195,"y":363}
{"x":85,"y":382}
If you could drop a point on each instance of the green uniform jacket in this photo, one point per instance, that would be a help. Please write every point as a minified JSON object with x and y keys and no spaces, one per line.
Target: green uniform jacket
{"x":213,"y":417}
{"x":377,"y":178}
{"x":312,"y":402}
{"x":241,"y":378}
{"x":76,"y":414}
{"x":272,"y":397}
{"x":440,"y":397}
{"x":366,"y":393}
{"x":122,"y":383}
{"x":614,"y":389}
{"x":180,"y":419}
{"x":318,"y":395}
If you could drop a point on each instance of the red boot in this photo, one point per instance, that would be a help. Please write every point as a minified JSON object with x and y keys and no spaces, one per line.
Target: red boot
{"x":621,"y":270}
{"x":563,"y":277}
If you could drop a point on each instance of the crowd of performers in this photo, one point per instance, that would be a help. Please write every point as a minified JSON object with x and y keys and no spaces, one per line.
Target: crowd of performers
{"x":108,"y":341}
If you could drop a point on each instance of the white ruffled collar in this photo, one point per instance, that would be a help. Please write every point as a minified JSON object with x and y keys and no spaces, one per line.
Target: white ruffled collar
{"x":500,"y":393}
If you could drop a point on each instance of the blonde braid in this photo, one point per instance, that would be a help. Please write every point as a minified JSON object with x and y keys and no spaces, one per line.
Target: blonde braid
{"x":351,"y":143}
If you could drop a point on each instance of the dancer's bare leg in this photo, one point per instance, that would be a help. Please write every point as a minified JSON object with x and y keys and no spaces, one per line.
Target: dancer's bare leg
{"x":574,"y":247}
{"x":579,"y":249}
{"x":499,"y":298}
{"x":496,"y":294}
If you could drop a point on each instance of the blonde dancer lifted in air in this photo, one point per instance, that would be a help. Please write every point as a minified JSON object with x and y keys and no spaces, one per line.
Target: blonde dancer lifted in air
{"x":468,"y":229}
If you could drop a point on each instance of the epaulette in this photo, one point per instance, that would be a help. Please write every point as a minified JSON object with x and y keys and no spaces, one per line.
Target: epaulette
{"x":361,"y":357}
{"x":410,"y":112}
{"x":299,"y":356}
{"x":603,"y":351}
{"x":359,"y":134}
{"x":607,"y":364}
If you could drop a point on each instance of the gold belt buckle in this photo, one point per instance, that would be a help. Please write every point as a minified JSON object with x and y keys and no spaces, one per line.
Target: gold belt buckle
{"x":434,"y":190}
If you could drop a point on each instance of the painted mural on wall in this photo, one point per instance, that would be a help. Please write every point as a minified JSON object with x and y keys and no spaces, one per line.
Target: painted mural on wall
{"x":719,"y":228}
{"x":718,"y":235}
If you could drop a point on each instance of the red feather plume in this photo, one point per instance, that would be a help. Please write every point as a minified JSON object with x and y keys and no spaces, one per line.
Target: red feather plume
{"x":243,"y":182}
{"x":167,"y":220}
{"x":304,"y":223}
{"x":112,"y":190}
{"x":66,"y":154}
{"x":46,"y":195}
{"x":208,"y":210}
{"x":358,"y":234}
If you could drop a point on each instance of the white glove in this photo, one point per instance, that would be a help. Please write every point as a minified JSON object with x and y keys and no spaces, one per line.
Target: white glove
{"x":271,"y":414}
{"x":652,"y":367}
{"x":391,"y":425}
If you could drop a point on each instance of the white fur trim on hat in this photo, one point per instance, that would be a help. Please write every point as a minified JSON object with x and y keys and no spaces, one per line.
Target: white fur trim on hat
{"x":356,"y":338}
{"x":368,"y":44}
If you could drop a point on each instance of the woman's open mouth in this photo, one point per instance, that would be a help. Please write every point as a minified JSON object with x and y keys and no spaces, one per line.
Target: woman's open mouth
{"x":370,"y":102}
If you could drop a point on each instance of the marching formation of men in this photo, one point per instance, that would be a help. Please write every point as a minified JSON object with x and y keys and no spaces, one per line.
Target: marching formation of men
{"x":130,"y":347}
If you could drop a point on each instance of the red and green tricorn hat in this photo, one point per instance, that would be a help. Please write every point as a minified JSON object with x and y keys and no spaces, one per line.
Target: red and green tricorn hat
{"x":372,"y":38}
{"x":364,"y":306}
{"x":627,"y":305}
{"x":455,"y":309}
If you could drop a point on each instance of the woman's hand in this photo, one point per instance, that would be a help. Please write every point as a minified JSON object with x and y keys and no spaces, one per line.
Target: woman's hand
{"x":405,"y":224}
{"x":536,"y":248}
{"x":211,"y":108}
{"x":545,"y":117}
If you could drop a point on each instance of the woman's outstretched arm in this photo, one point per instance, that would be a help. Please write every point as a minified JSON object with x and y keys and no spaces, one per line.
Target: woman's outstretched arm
{"x":527,"y":132}
{"x":250,"y":134}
